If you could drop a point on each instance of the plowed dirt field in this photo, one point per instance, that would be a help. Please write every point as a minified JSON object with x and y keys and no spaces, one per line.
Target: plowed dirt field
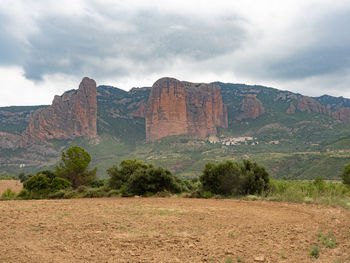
{"x":169,"y":230}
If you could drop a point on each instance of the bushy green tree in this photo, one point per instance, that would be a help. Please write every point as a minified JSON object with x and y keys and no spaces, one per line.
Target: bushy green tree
{"x":135,"y":177}
{"x":223,"y":178}
{"x":74,"y":167}
{"x":59,"y":183}
{"x":256,"y":178}
{"x":232,"y":178}
{"x":346,"y":174}
{"x":37,"y":183}
{"x":119,"y":176}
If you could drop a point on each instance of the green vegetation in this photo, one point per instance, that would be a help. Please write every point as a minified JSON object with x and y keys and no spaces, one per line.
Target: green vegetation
{"x":8,"y":195}
{"x":247,"y":179}
{"x":230,"y":178}
{"x":329,"y":241}
{"x":8,"y":177}
{"x":74,"y":167}
{"x":138,"y":178}
{"x":315,"y":251}
{"x":346,"y":174}
{"x":316,"y":191}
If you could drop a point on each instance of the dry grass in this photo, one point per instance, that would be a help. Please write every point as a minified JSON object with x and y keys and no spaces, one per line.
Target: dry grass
{"x":15,"y":185}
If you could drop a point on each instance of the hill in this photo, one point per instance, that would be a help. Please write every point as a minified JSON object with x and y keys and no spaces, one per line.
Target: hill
{"x":294,"y":136}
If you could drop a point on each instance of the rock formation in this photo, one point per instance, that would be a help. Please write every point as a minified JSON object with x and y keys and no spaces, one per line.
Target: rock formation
{"x":310,"y":105}
{"x":9,"y":140}
{"x":251,"y":108}
{"x":176,"y":107}
{"x":71,"y":115}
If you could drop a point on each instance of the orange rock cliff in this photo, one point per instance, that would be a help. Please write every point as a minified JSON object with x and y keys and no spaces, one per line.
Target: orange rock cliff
{"x":71,"y":115}
{"x":176,"y":107}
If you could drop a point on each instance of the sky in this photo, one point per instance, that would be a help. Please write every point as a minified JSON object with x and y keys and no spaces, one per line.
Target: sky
{"x":47,"y":47}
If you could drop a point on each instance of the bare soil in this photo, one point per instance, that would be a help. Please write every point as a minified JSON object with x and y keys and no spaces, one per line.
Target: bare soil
{"x":169,"y":230}
{"x":15,"y":185}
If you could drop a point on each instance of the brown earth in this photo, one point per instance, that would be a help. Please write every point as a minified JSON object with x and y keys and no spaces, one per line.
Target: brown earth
{"x":169,"y":230}
{"x":15,"y":185}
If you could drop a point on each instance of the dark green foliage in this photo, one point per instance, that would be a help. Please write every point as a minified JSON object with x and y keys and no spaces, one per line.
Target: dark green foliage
{"x":256,"y":178}
{"x":49,"y":174}
{"x":119,"y":176}
{"x":74,"y":167}
{"x":346,"y":174}
{"x":59,"y":183}
{"x":135,"y":177}
{"x":37,"y":183}
{"x":223,"y":178}
{"x":23,"y":194}
{"x":97,"y":183}
{"x":229,"y":178}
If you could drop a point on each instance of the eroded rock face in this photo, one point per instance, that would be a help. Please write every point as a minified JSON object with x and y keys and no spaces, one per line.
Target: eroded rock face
{"x":307,"y":104}
{"x":311,"y":105}
{"x":176,"y":107}
{"x":251,"y":108}
{"x":9,"y":140}
{"x":71,"y":115}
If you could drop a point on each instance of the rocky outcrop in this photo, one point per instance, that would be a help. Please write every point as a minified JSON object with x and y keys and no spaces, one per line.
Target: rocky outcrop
{"x":311,"y":105}
{"x":342,"y":114}
{"x":9,"y":140}
{"x":140,"y":111}
{"x":176,"y":107}
{"x":291,"y":109}
{"x":71,"y":115}
{"x":251,"y":108}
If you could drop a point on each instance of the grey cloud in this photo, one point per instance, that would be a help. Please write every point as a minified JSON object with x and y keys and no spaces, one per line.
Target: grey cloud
{"x":328,"y":53}
{"x":87,"y":45}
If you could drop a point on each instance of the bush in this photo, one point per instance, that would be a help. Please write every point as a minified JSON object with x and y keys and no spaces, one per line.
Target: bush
{"x":223,"y":178}
{"x":256,"y":178}
{"x":346,"y":174}
{"x":230,"y":178}
{"x":8,"y":194}
{"x":23,"y":194}
{"x":37,"y":183}
{"x":138,"y":178}
{"x":59,"y":184}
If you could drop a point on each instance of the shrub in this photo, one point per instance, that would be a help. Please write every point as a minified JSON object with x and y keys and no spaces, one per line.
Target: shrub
{"x":8,"y":194}
{"x":315,"y":251}
{"x":138,"y":178}
{"x":59,"y":184}
{"x":346,"y":174}
{"x":58,"y":195}
{"x":119,"y":177}
{"x":23,"y":194}
{"x":229,"y":178}
{"x":223,"y":178}
{"x":256,"y":178}
{"x":37,"y":183}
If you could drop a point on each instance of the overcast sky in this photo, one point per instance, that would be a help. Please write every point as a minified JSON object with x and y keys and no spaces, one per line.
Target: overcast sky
{"x":47,"y":47}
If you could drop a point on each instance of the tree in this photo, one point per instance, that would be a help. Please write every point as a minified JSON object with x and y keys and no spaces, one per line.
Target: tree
{"x":346,"y":174}
{"x":74,"y":167}
{"x":256,"y":178}
{"x":223,"y":178}
{"x":136,"y":177}
{"x":231,"y":178}
{"x":37,"y":183}
{"x":119,"y":176}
